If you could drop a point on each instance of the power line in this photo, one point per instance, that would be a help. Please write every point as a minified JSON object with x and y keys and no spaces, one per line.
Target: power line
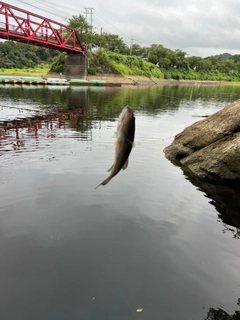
{"x":47,"y":8}
{"x":70,"y":9}
{"x":34,"y":6}
{"x":109,"y":24}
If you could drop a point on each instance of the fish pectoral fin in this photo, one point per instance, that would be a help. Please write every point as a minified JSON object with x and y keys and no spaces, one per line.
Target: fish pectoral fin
{"x":132,"y":143}
{"x":110,"y":169}
{"x":125,"y":165}
{"x":116,"y":134}
{"x":116,"y":143}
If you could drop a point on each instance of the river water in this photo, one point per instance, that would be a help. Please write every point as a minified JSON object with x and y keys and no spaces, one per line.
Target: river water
{"x":151,"y":244}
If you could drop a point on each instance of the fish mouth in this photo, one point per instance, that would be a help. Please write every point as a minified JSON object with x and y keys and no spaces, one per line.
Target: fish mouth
{"x":126,"y":125}
{"x":128,"y":110}
{"x":126,"y":115}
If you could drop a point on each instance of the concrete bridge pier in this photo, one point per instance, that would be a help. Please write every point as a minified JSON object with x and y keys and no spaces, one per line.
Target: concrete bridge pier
{"x":76,"y":66}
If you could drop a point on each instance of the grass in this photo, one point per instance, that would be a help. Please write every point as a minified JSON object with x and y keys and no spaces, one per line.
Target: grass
{"x":232,"y":83}
{"x":28,"y":71}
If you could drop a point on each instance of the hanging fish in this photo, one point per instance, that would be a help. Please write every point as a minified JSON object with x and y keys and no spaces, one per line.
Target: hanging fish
{"x":123,"y":145}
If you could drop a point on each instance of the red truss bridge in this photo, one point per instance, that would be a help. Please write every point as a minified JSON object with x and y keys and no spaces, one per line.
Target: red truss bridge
{"x":20,"y":25}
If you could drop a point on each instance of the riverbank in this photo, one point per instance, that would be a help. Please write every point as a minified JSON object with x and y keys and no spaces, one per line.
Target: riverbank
{"x":126,"y":80}
{"x":137,"y":80}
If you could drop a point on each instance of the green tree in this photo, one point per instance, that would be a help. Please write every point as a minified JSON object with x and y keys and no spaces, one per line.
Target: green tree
{"x":157,"y":52}
{"x":226,"y":66}
{"x":181,"y":58}
{"x":83,"y":29}
{"x":58,"y":63}
{"x":137,"y":50}
{"x":206,"y":65}
{"x":195,"y":63}
{"x":214,"y":62}
{"x":161,"y":56}
{"x":20,"y":55}
{"x":113,"y":42}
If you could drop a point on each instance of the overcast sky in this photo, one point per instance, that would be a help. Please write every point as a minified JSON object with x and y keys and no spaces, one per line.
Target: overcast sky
{"x":197,"y":27}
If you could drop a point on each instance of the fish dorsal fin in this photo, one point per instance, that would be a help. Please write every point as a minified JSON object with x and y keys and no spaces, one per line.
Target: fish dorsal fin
{"x":110,"y":169}
{"x":125,"y":165}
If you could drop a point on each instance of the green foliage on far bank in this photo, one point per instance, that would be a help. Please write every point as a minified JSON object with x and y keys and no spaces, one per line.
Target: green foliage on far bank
{"x":188,"y":74}
{"x":106,"y":62}
{"x":15,"y":55}
{"x":39,"y":71}
{"x":123,"y":64}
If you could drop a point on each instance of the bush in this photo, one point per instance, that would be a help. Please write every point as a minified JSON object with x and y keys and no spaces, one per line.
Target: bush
{"x":58,"y":63}
{"x":92,"y":71}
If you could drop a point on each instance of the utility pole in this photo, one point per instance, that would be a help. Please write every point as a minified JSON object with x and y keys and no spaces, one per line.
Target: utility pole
{"x":100,"y":39}
{"x":131,"y":45}
{"x":89,"y":11}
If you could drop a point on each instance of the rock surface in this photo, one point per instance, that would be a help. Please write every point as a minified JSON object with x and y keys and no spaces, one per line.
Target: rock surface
{"x":210,"y":148}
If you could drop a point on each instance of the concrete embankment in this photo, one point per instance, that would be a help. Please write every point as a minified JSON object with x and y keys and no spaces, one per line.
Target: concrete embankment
{"x":109,"y":79}
{"x":137,"y":80}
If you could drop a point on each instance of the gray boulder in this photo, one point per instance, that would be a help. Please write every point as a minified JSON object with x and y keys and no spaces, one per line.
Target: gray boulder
{"x":210,"y":148}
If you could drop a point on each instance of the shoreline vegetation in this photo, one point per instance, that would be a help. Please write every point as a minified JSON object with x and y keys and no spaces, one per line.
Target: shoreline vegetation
{"x":129,"y":70}
{"x":112,"y":66}
{"x":119,"y":79}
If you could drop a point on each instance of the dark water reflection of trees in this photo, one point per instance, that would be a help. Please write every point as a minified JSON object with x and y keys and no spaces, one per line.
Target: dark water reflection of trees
{"x":225,"y":198}
{"x":151,"y":99}
{"x":220,"y":314}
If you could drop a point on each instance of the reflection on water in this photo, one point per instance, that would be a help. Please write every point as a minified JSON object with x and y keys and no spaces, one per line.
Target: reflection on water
{"x":220,"y":314}
{"x":151,"y":240}
{"x":18,"y":134}
{"x":225,"y":198}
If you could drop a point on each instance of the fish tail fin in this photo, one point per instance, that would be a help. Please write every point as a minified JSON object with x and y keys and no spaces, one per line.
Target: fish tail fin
{"x":104,"y":182}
